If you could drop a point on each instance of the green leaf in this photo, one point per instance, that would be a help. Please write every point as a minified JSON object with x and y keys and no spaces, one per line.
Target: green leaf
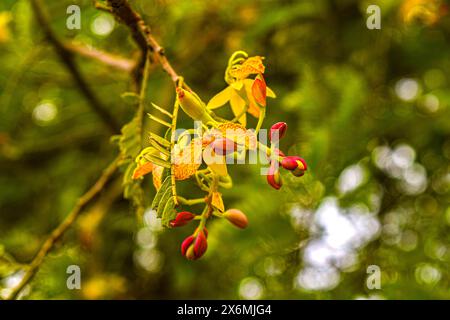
{"x":163,"y":202}
{"x":164,"y":111}
{"x":169,"y":212}
{"x":160,"y":148}
{"x":160,"y":140}
{"x":166,"y":197}
{"x":160,"y":193}
{"x":157,"y":161}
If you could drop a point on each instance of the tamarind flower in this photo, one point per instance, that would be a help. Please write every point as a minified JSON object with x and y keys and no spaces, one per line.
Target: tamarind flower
{"x":234,"y":137}
{"x":186,"y":162}
{"x":251,"y":65}
{"x":240,"y":92}
{"x":194,"y":246}
{"x":182,"y":219}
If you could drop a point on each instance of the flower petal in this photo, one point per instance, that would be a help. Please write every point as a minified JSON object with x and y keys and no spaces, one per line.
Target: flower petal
{"x":217,"y":201}
{"x":253,"y":107}
{"x":215,"y":163}
{"x":270,"y":93}
{"x":221,"y":98}
{"x":259,"y":91}
{"x":238,"y":108}
{"x":142,"y":170}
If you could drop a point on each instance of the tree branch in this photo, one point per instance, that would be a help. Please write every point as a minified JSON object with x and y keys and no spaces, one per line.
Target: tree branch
{"x":63,"y":227}
{"x":67,"y":58}
{"x":141,"y":33}
{"x":103,"y":57}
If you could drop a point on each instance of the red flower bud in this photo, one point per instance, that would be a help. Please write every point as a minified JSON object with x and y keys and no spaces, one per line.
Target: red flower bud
{"x":289,"y":163}
{"x":296,"y":164}
{"x":224,"y":146}
{"x":274,"y":177}
{"x":182,"y":219}
{"x":194,"y":246}
{"x":236,"y":217}
{"x":186,"y":244}
{"x":279,"y":127}
{"x":200,"y":244}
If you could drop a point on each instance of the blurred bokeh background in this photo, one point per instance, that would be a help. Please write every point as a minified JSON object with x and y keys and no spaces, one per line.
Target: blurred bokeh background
{"x":369,"y":110}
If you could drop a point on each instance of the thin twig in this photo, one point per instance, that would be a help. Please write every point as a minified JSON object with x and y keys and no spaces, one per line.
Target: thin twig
{"x":103,"y":57}
{"x":67,"y":58}
{"x":141,"y":33}
{"x":63,"y":227}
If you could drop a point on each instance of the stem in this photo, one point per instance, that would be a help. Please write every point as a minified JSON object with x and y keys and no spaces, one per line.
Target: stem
{"x":59,"y":231}
{"x":262,"y":115}
{"x":190,"y":202}
{"x":173,"y":127}
{"x":103,"y":57}
{"x":141,"y":33}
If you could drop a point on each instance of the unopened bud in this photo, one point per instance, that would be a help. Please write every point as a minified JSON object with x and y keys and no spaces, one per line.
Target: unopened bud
{"x":194,"y":246}
{"x":279,"y":127}
{"x":274,"y":177}
{"x":300,"y":168}
{"x":200,"y":245}
{"x":193,"y":107}
{"x":186,"y":244}
{"x":236,"y":217}
{"x":182,"y":219}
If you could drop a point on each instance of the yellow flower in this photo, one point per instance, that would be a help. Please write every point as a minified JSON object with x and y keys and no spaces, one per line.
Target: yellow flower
{"x":234,"y":132}
{"x":186,"y":162}
{"x":252,"y":65}
{"x":239,"y":92}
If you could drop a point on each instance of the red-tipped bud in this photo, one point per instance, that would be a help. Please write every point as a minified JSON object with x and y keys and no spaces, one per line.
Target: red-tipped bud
{"x":224,"y":146}
{"x":289,"y":163}
{"x":274,"y":177}
{"x":236,"y":217}
{"x":295,"y":164}
{"x":182,"y":219}
{"x":186,"y":244}
{"x":194,"y":246}
{"x":200,"y":244}
{"x":279,"y":127}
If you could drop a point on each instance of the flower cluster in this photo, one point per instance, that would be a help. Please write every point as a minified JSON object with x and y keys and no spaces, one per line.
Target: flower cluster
{"x":296,"y":165}
{"x":201,"y":153}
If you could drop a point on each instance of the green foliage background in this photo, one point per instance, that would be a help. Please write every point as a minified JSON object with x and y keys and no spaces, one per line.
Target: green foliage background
{"x":336,"y":83}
